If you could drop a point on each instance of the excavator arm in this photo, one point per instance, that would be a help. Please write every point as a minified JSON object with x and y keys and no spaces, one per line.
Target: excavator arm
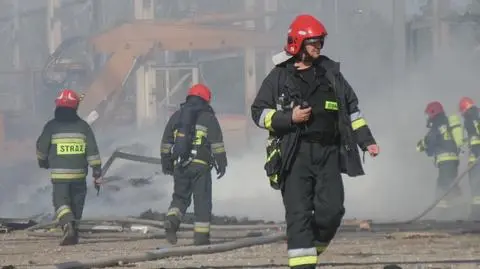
{"x":132,"y":41}
{"x":111,"y":78}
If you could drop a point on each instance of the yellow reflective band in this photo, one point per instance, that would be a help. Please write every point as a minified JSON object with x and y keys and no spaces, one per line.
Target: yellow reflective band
{"x":174,"y":211}
{"x":199,"y":161}
{"x":95,"y":162}
{"x":165,"y":147}
{"x":357,"y":124}
{"x":471,"y":159}
{"x":68,"y":176}
{"x":201,"y":227}
{"x":329,"y":105}
{"x":446,"y":157}
{"x":268,"y":120}
{"x":474,"y":140}
{"x":305,"y":260}
{"x":217,"y":148}
{"x":202,"y":230}
{"x":70,"y":148}
{"x":68,"y":140}
{"x":62,"y":211}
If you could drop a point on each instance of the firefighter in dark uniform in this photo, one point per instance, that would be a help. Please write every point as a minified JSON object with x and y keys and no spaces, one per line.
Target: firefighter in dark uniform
{"x":67,"y":146}
{"x":314,"y":124}
{"x":192,"y":144}
{"x":443,"y":142}
{"x":471,"y":123}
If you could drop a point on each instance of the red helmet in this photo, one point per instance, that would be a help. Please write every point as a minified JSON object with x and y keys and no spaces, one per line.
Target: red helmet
{"x":200,"y":90}
{"x":433,"y":109}
{"x":67,"y":98}
{"x":465,"y":104}
{"x":302,"y":28}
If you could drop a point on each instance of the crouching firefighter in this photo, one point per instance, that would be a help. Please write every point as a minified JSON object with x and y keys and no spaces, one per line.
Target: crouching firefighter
{"x":442,"y":142}
{"x":192,"y":145}
{"x":314,"y":124}
{"x":471,"y":123}
{"x":67,"y":146}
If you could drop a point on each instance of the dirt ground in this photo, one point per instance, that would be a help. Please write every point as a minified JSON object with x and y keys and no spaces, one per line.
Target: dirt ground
{"x":23,"y":252}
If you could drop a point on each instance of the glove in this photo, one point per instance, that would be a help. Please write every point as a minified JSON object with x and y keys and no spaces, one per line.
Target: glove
{"x":43,"y":164}
{"x":221,"y":171}
{"x":374,"y":150}
{"x":420,"y":146}
{"x":167,"y":166}
{"x":97,"y":172}
{"x":97,"y":178}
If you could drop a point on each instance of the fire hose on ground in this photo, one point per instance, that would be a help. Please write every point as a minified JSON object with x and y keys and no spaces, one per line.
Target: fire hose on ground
{"x":89,"y":225}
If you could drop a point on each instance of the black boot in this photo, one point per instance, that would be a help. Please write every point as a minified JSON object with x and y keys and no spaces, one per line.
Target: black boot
{"x":171,"y":225}
{"x":68,"y":237}
{"x":201,"y":239}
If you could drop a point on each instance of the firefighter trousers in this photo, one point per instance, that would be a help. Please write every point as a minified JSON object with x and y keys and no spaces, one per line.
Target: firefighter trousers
{"x":69,"y":200}
{"x":447,"y":172}
{"x":194,"y":179}
{"x":313,"y":196}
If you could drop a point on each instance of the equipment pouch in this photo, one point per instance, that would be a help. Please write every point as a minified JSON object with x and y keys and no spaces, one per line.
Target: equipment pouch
{"x":273,"y":164}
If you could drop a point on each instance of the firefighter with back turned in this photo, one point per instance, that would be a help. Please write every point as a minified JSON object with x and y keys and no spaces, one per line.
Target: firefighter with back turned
{"x":67,"y":146}
{"x":442,"y":142}
{"x":192,"y":144}
{"x":471,"y":122}
{"x":315,"y":127}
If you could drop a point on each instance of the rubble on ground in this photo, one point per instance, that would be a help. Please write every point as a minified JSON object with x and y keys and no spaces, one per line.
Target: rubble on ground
{"x":189,"y":218}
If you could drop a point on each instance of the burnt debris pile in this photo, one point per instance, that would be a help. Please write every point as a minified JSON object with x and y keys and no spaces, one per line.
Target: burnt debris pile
{"x":189,"y":218}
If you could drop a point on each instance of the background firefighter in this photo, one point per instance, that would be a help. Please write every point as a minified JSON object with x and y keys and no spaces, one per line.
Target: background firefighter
{"x":443,"y":142}
{"x":313,"y":119}
{"x":67,"y":146}
{"x":471,"y":122}
{"x":192,"y":144}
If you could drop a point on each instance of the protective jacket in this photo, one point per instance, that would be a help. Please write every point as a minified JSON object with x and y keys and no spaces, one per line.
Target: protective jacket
{"x":205,"y":143}
{"x":68,"y":146}
{"x":443,"y":140}
{"x":472,"y":126}
{"x":278,"y":94}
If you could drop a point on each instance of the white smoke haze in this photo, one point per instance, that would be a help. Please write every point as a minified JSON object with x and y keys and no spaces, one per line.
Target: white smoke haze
{"x":399,"y":183}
